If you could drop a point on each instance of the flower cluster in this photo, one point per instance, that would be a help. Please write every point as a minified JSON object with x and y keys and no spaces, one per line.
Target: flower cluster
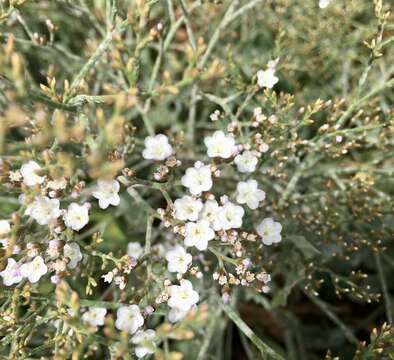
{"x":42,"y":201}
{"x":208,"y":231}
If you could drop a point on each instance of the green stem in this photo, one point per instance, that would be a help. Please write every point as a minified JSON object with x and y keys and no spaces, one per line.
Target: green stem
{"x":334,"y":318}
{"x":386,"y":295}
{"x":103,"y":47}
{"x":265,"y":350}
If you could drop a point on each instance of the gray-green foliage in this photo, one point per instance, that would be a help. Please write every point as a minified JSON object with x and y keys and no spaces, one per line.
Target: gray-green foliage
{"x":82,"y":83}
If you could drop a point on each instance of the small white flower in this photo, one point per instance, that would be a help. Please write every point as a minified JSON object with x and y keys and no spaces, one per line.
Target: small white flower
{"x":120,"y":281}
{"x":44,"y":210}
{"x":220,"y":145}
{"x":248,"y":193}
{"x":269,"y":230}
{"x":15,"y":176}
{"x":12,"y":273}
{"x":324,"y":3}
{"x":178,"y":260}
{"x":57,"y":184}
{"x":29,"y":173}
{"x":5,"y":230}
{"x":73,"y":252}
{"x":107,"y":193}
{"x":129,"y":318}
{"x":77,"y":216}
{"x":134,"y":249}
{"x":175,"y":314}
{"x":246,"y":162}
{"x":187,"y":208}
{"x":144,"y":342}
{"x":183,"y":297}
{"x":267,"y":78}
{"x":215,"y":115}
{"x":198,"y":178}
{"x":95,"y":316}
{"x":108,"y":277}
{"x":157,"y":148}
{"x":210,"y":212}
{"x":198,"y":234}
{"x":264,"y":147}
{"x":230,"y":216}
{"x":34,"y":269}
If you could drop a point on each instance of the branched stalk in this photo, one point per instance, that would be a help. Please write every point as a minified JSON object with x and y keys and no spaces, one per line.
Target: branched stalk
{"x":103,"y":47}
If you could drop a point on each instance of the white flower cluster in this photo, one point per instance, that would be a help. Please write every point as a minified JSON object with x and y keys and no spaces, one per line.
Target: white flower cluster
{"x":200,"y":218}
{"x":45,"y":209}
{"x":128,"y":319}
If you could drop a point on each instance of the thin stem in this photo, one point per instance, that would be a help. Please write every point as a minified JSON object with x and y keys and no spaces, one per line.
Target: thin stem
{"x":265,"y":350}
{"x":148,"y":243}
{"x":210,"y":332}
{"x":228,"y":17}
{"x":386,"y":295}
{"x":334,"y":318}
{"x":103,"y":47}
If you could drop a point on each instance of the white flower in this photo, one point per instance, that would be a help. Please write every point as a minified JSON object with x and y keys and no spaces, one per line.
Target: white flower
{"x":267,"y":78}
{"x":15,"y":176}
{"x":107,"y":193}
{"x":183,"y":297}
{"x":29,"y":173}
{"x":220,"y":145}
{"x":95,"y":316}
{"x":129,"y":318}
{"x":230,"y":216}
{"x":246,"y":162}
{"x":198,"y":178}
{"x":198,"y":234}
{"x":73,"y":252}
{"x":249,"y":194}
{"x":34,"y":269}
{"x":157,"y":148}
{"x":77,"y":216}
{"x":108,"y":277}
{"x":5,"y":230}
{"x":210,"y":212}
{"x":134,"y":250}
{"x":324,"y":3}
{"x":144,"y":342}
{"x":178,"y":260}
{"x":175,"y":314}
{"x":44,"y":210}
{"x":57,"y":184}
{"x":269,"y":230}
{"x":187,"y":208}
{"x":12,"y":273}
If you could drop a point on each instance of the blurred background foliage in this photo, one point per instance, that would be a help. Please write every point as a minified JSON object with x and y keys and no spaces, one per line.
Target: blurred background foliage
{"x":77,"y":77}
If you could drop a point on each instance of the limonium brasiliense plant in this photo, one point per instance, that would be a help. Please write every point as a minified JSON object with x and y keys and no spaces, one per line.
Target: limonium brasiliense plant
{"x":170,"y":168}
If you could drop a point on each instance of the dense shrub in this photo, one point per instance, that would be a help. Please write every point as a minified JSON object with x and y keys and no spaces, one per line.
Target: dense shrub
{"x":196,"y":179}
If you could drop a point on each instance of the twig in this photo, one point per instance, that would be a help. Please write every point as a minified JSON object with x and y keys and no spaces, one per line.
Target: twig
{"x":103,"y":47}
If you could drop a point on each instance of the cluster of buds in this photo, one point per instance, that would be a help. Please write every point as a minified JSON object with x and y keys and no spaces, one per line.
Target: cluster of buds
{"x":162,"y":171}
